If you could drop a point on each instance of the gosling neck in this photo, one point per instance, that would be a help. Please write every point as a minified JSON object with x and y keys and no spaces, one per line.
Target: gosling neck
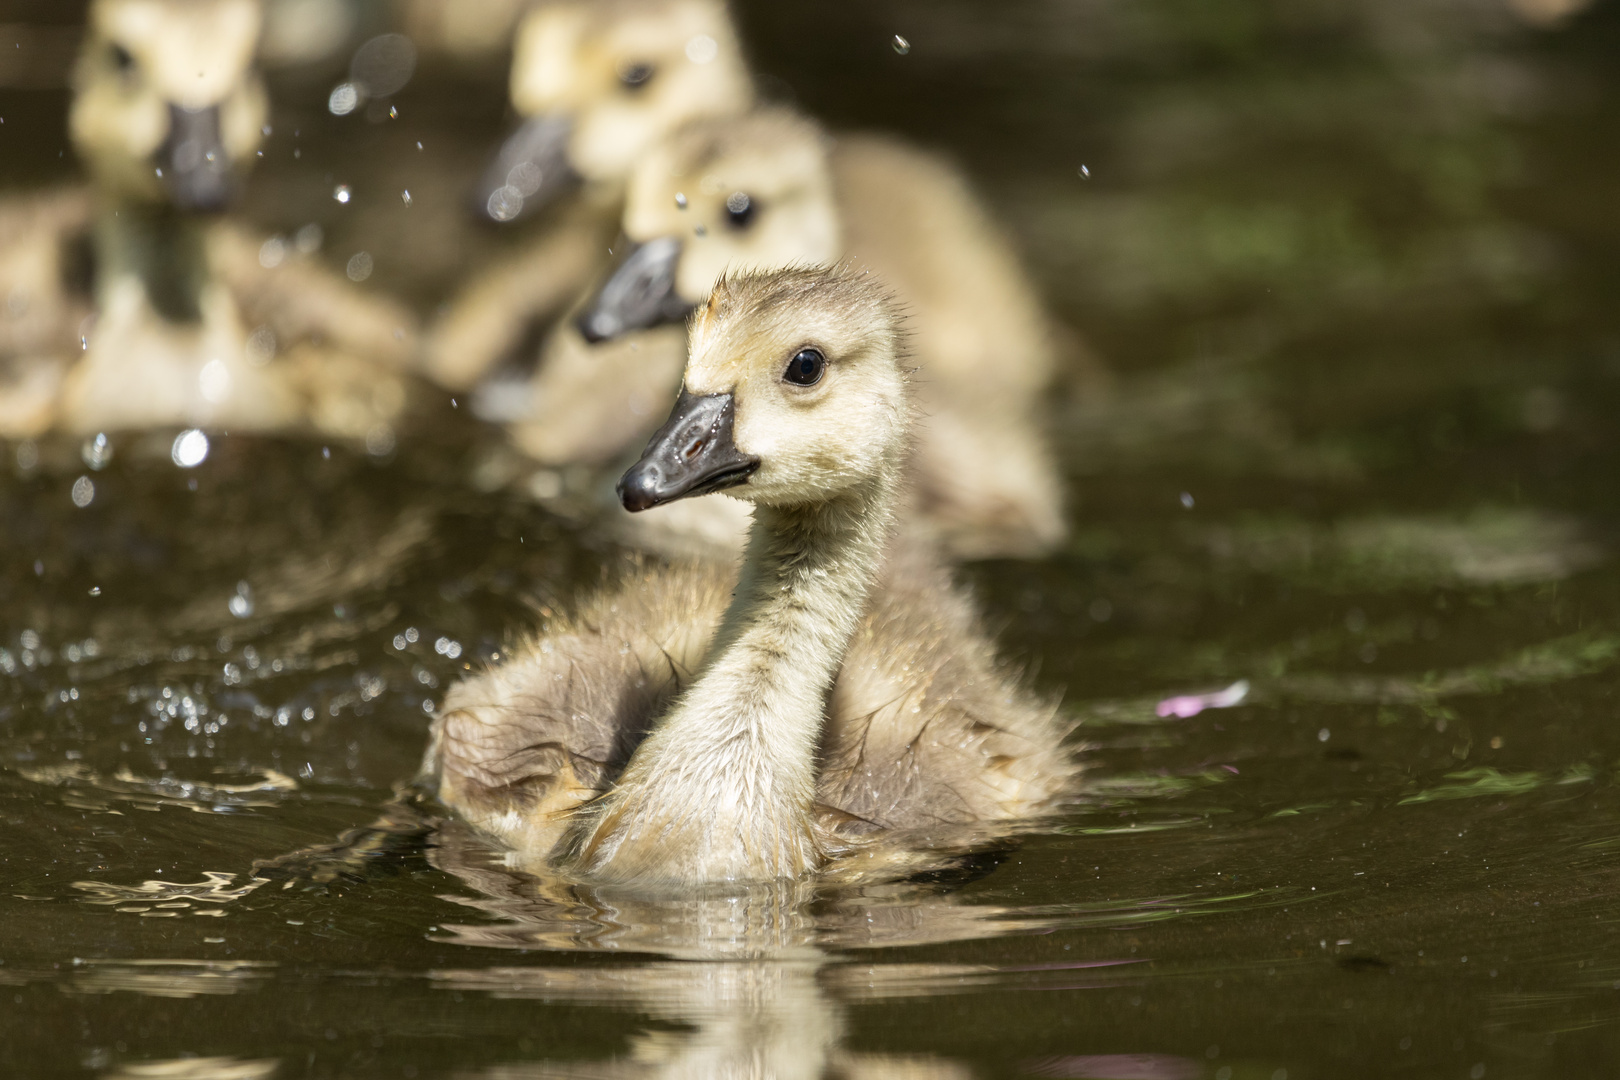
{"x":723,"y":788}
{"x":166,"y":250}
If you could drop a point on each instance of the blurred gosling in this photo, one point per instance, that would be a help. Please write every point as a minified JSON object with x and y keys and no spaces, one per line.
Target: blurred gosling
{"x":595,"y":85}
{"x":771,"y":189}
{"x":182,"y":324}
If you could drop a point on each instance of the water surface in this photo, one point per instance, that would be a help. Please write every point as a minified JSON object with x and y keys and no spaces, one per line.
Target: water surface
{"x":1351,"y":269}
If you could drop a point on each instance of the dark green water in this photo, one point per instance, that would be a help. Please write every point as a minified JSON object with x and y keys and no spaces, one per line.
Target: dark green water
{"x":1353,"y":268}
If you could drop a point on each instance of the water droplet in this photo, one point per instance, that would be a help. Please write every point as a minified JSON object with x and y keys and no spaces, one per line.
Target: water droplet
{"x":1324,"y":735}
{"x":97,"y":452}
{"x":901,"y":45}
{"x":272,"y":252}
{"x":383,"y":65}
{"x":359,"y":267}
{"x":261,"y":346}
{"x":214,"y":381}
{"x":1085,"y":172}
{"x":241,"y":602}
{"x":341,"y":193}
{"x":308,"y":239}
{"x":525,"y":177}
{"x":702,"y":49}
{"x":380,"y":440}
{"x":504,"y":203}
{"x":680,"y":199}
{"x":343,"y":99}
{"x":405,"y":197}
{"x":190,"y":449}
{"x":1186,"y":500}
{"x":393,"y":112}
{"x":84,"y":490}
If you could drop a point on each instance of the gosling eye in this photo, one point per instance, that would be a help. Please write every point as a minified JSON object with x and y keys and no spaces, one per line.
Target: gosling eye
{"x":740,"y":209}
{"x":636,"y":76}
{"x":121,"y":58}
{"x":806,"y":367}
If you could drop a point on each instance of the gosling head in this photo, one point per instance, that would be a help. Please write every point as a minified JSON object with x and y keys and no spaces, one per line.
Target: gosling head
{"x":599,"y":83}
{"x":752,"y":192}
{"x":167,"y":105}
{"x":794,"y":395}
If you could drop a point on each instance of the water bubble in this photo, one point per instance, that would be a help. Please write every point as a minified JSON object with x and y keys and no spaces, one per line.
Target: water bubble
{"x":190,"y":449}
{"x":272,"y":252}
{"x":1186,"y":500}
{"x":214,"y":381}
{"x":342,"y":193}
{"x":680,"y":199}
{"x":27,"y":454}
{"x":360,"y":266}
{"x":241,"y":602}
{"x":901,"y":45}
{"x":412,"y":634}
{"x":1324,"y":735}
{"x":308,"y":239}
{"x":405,"y":197}
{"x":505,"y":203}
{"x":447,"y":647}
{"x":738,"y":202}
{"x":702,"y":49}
{"x":97,"y":452}
{"x":84,"y":490}
{"x":29,"y":639}
{"x":343,"y":99}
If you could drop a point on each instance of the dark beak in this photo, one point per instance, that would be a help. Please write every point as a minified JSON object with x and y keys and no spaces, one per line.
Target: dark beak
{"x":194,"y":162}
{"x":692,"y":454}
{"x":530,"y":170}
{"x":640,"y":294}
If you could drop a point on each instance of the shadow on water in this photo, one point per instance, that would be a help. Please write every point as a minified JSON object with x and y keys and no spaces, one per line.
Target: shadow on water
{"x":1340,"y":621}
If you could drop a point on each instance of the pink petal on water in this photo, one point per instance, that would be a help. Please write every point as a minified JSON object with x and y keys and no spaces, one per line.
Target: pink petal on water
{"x":1186,"y":705}
{"x":1116,"y":1067}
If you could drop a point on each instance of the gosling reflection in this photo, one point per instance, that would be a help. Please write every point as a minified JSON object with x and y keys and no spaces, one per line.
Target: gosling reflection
{"x":774,"y":1020}
{"x":763,"y":1001}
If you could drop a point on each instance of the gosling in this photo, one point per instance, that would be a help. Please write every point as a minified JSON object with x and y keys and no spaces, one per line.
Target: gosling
{"x":834,"y":700}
